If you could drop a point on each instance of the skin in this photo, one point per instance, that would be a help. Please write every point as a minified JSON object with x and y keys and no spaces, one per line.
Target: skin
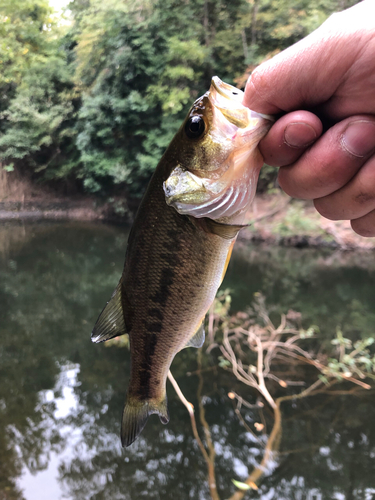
{"x":324,"y":143}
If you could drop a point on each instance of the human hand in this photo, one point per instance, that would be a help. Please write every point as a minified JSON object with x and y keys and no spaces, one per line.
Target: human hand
{"x":331,"y":75}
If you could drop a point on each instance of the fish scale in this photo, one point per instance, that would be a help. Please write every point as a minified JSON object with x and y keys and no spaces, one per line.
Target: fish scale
{"x":175,"y":261}
{"x":179,"y":287}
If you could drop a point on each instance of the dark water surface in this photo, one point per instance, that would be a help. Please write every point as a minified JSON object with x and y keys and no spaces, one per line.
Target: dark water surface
{"x":61,"y":397}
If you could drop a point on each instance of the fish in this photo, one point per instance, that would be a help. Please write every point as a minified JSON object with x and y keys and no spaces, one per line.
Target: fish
{"x":180,"y":244}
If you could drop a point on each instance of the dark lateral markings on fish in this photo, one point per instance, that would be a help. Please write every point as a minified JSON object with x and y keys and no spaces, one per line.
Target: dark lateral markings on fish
{"x":180,"y":244}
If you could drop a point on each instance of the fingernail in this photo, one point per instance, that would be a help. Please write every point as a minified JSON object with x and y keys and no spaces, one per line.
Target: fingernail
{"x":359,"y":138}
{"x":299,"y":135}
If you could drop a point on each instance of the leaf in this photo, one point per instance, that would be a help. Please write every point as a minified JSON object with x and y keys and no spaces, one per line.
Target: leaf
{"x":223,"y":363}
{"x":323,"y":379}
{"x":244,"y":486}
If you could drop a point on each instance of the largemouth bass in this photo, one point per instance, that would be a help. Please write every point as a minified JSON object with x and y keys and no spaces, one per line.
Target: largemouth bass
{"x":180,"y":244}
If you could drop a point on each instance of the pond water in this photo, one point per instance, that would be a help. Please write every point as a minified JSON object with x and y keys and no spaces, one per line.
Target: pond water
{"x":61,"y":397}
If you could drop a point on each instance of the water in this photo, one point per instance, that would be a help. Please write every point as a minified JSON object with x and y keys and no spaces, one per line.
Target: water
{"x":61,"y":397}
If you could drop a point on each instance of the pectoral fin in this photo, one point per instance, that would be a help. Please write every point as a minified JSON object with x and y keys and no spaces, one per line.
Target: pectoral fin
{"x":198,"y":339}
{"x":111,"y":321}
{"x":226,"y":231}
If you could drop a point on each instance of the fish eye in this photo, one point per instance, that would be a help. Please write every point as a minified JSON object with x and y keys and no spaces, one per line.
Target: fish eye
{"x":195,"y":127}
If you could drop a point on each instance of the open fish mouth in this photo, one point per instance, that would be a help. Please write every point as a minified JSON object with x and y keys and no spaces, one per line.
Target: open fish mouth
{"x":221,"y":93}
{"x":183,"y":186}
{"x":229,"y":188}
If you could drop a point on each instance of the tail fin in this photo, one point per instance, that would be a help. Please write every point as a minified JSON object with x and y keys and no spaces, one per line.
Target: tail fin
{"x":135,"y":416}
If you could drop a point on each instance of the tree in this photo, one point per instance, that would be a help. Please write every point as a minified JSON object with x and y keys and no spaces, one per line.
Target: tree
{"x":137,"y":80}
{"x":38,"y":98}
{"x":100,"y":100}
{"x":24,"y":29}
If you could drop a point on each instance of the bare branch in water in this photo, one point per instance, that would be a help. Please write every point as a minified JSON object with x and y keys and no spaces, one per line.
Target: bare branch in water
{"x":252,"y":351}
{"x":210,"y":456}
{"x":244,"y":340}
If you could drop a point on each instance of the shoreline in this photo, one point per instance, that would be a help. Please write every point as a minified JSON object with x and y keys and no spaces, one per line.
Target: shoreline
{"x":274,"y":219}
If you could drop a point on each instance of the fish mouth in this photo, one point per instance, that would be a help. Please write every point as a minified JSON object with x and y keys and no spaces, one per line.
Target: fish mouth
{"x":182,"y":186}
{"x":226,"y":90}
{"x":221,"y":92}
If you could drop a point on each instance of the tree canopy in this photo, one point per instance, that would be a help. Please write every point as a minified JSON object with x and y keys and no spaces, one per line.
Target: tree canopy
{"x":97,"y":98}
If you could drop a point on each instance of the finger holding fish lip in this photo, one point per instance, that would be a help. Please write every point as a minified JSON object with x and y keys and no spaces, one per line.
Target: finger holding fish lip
{"x":289,"y":138}
{"x":332,"y":161}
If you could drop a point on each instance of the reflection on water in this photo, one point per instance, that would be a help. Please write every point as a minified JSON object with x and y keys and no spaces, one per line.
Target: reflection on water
{"x":45,"y":485}
{"x":61,"y":397}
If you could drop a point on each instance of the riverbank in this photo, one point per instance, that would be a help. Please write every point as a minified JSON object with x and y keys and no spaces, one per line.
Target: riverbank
{"x":22,"y":199}
{"x":273,"y":218}
{"x":277,"y":218}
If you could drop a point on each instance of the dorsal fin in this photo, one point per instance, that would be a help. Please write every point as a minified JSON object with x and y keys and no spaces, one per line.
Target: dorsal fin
{"x":198,"y":339}
{"x":111,"y":321}
{"x":226,"y":231}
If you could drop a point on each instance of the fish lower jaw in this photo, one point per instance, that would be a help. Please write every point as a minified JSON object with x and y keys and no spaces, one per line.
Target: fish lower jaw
{"x":184,"y":186}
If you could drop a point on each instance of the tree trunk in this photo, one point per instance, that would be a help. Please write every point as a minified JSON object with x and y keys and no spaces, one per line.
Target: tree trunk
{"x":254,"y":26}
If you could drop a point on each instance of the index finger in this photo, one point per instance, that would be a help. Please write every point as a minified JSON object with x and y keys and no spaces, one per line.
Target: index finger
{"x":289,"y":137}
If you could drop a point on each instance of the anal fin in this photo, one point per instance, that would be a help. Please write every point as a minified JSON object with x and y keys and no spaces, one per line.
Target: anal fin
{"x":111,"y":321}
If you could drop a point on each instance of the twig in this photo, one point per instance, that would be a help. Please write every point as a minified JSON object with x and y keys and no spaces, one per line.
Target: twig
{"x":249,"y":429}
{"x":190,"y":408}
{"x":269,"y":451}
{"x":208,"y":458}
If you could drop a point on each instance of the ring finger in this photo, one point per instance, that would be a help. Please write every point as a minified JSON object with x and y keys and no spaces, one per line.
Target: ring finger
{"x":353,"y":201}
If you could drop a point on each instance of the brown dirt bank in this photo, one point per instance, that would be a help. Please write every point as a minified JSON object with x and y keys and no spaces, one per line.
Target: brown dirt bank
{"x":74,"y":209}
{"x":20,"y":198}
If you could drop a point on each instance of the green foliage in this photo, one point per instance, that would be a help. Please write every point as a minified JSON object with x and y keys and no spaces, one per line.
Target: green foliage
{"x":355,"y":359}
{"x":296,"y":222}
{"x":100,"y":99}
{"x":37,"y":119}
{"x":24,"y":31}
{"x":115,"y":118}
{"x":138,"y":78}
